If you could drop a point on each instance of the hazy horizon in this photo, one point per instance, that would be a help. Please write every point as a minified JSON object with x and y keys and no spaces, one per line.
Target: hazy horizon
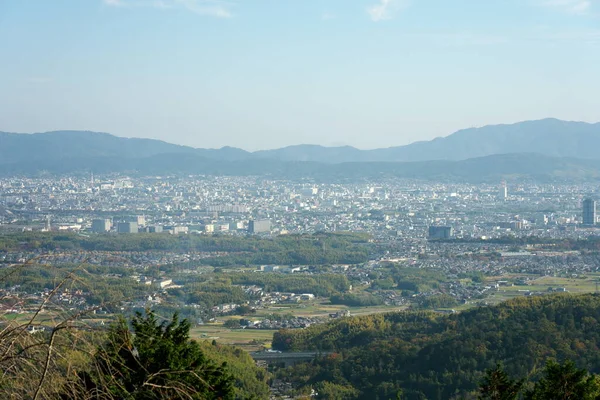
{"x":262,"y":75}
{"x":289,"y":145}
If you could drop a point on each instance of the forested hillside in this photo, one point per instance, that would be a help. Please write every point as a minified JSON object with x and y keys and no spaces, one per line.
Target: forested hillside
{"x":430,"y":356}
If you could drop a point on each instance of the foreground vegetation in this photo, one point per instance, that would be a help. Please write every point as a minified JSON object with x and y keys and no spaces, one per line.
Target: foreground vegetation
{"x":144,"y":359}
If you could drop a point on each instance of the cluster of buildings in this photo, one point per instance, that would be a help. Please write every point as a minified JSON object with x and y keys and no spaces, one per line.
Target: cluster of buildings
{"x":385,"y":209}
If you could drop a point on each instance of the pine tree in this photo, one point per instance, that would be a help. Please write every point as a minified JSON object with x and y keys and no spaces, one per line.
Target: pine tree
{"x":157,"y":361}
{"x":497,"y":385}
{"x":565,"y":382}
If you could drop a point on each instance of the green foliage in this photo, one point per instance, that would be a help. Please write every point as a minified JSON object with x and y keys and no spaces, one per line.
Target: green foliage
{"x":250,"y":380}
{"x":210,"y":294}
{"x":320,"y":285}
{"x":441,"y":357}
{"x":356,"y":300}
{"x":232,"y":323}
{"x":565,"y":382}
{"x":497,"y":385}
{"x":320,"y":248}
{"x":332,"y":391}
{"x":415,"y":279}
{"x":158,"y":361}
{"x":437,"y":301}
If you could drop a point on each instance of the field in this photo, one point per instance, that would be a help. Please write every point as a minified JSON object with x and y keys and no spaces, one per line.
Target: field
{"x":248,"y":339}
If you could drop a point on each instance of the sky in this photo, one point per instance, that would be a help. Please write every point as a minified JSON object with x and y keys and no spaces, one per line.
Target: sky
{"x":261,"y":74}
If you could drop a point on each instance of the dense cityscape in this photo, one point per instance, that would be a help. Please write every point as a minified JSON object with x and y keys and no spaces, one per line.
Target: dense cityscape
{"x":202,"y":205}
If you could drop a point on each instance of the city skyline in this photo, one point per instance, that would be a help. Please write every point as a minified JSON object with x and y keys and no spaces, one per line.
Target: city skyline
{"x":259,"y":75}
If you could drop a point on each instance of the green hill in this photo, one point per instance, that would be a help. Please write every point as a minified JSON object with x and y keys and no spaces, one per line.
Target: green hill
{"x":430,"y":356}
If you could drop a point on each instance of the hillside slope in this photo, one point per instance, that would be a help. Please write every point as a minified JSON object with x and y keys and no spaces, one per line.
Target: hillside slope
{"x":441,"y":357}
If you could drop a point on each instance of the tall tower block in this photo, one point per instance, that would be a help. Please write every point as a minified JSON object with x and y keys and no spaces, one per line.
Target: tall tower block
{"x":503,"y":191}
{"x":589,"y":212}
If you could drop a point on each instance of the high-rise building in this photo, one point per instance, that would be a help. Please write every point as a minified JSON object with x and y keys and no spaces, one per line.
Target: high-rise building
{"x":503,"y":192}
{"x":259,"y":226}
{"x":589,"y":212}
{"x":101,"y":225}
{"x":440,"y":232}
{"x":127,"y":227}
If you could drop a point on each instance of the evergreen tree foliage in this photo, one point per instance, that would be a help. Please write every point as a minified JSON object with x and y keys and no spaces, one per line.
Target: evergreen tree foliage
{"x":565,"y":382}
{"x":158,"y":361}
{"x":497,"y":385}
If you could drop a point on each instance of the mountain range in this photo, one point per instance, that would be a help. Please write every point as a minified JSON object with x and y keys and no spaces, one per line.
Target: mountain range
{"x":542,"y":148}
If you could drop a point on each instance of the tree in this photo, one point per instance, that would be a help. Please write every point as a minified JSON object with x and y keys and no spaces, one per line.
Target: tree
{"x":245,"y":310}
{"x":157,"y":361}
{"x":332,"y":391}
{"x":565,"y":382}
{"x":497,"y":385}
{"x":232,"y":324}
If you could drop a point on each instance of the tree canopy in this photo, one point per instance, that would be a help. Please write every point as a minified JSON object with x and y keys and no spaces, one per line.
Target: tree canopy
{"x":158,"y":361}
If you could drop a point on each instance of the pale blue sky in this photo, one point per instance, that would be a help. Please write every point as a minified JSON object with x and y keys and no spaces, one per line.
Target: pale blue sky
{"x":268,"y":73}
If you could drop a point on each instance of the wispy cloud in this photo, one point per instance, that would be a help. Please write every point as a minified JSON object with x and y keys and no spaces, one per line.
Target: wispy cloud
{"x":212,"y":8}
{"x":571,"y":6}
{"x":385,"y":9}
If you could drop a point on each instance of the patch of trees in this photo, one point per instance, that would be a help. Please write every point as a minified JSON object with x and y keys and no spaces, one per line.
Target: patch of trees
{"x":413,"y":279}
{"x":320,"y":285}
{"x":356,"y":300}
{"x":436,"y":301}
{"x":209,"y":294}
{"x":319,"y":248}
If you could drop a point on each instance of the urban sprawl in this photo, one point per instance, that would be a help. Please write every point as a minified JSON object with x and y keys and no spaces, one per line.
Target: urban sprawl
{"x":448,"y":245}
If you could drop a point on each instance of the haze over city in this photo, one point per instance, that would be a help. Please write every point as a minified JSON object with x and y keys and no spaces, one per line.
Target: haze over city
{"x":266,"y":74}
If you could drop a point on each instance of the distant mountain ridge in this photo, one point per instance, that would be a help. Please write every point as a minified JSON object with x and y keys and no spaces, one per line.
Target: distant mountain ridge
{"x":549,"y":137}
{"x":57,"y":145}
{"x":544,"y":149}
